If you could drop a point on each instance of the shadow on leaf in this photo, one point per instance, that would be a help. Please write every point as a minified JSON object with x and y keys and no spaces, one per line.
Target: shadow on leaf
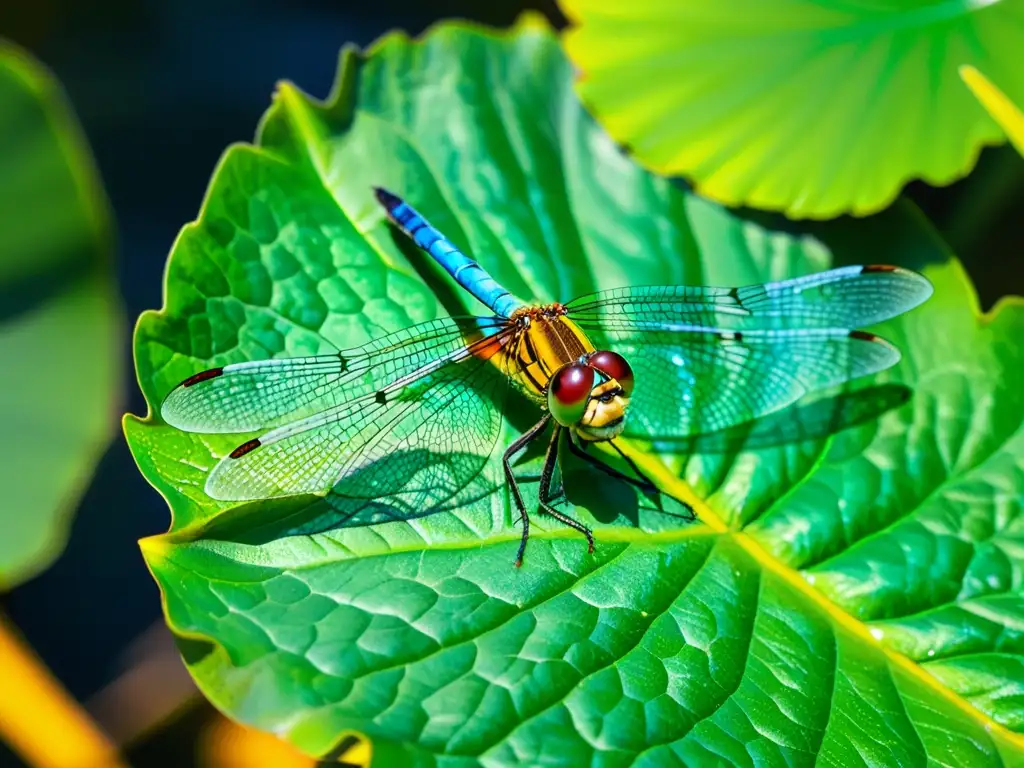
{"x":447,"y":482}
{"x":427,"y":483}
{"x":814,"y":420}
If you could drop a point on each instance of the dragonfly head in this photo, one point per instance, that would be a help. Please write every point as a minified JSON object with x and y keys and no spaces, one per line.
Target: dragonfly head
{"x":591,"y":395}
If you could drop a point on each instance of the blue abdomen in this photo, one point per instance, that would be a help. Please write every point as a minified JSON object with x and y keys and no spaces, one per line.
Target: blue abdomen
{"x":465,"y":270}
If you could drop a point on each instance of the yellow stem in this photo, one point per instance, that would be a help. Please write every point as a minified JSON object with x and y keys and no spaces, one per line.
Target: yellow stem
{"x":998,"y":105}
{"x":39,"y":719}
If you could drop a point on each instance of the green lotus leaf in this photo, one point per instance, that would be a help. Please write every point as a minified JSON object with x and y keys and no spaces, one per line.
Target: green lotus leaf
{"x":59,"y":317}
{"x":812,"y":107}
{"x":844,"y":599}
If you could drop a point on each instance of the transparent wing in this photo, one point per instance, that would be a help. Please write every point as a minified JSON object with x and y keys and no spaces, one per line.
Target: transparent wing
{"x":244,"y":397}
{"x":432,"y":435}
{"x":699,"y":381}
{"x":848,"y":297}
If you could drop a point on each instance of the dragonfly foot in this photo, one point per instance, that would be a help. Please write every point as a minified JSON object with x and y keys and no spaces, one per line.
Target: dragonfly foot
{"x":522,"y":542}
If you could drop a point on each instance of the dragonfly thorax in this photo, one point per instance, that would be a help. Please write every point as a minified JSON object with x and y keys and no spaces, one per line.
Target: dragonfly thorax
{"x":544,"y":341}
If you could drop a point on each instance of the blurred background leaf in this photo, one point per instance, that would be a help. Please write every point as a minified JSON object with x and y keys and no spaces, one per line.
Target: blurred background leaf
{"x":811,"y":108}
{"x":60,"y":328}
{"x":671,"y":642}
{"x":60,"y":317}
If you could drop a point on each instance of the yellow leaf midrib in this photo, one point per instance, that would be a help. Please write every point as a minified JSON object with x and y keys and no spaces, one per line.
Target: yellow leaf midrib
{"x":674,"y":486}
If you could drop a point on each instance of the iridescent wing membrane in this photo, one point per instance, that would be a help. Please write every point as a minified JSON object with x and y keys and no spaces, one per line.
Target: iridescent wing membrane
{"x":708,"y":358}
{"x":418,"y":412}
{"x":415,"y":413}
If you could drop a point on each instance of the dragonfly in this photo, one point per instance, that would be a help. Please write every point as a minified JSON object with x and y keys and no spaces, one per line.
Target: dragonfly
{"x":418,"y":411}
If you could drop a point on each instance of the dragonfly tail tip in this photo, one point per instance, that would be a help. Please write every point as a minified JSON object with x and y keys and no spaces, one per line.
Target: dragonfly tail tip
{"x":385,"y":198}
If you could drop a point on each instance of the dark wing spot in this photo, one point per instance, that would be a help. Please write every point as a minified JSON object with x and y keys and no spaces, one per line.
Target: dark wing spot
{"x":863,"y":336}
{"x":877,"y":268}
{"x":381,"y":397}
{"x":212,"y":373}
{"x":246,"y":447}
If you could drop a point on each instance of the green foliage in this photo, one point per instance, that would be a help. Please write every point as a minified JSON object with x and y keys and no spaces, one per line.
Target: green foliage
{"x":812,"y":107}
{"x":841,"y":600}
{"x":59,"y":317}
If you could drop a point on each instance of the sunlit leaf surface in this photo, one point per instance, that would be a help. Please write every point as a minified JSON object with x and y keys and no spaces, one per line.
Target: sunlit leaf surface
{"x":842,"y":600}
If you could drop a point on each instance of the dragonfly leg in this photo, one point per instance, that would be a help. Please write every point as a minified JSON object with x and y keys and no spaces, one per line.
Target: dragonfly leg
{"x":692,"y":516}
{"x":643,"y":483}
{"x":521,"y":442}
{"x":556,"y":494}
{"x":632,"y":465}
{"x":547,"y":496}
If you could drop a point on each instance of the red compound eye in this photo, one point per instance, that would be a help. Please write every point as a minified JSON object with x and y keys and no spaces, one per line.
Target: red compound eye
{"x":569,"y":391}
{"x":614,"y":366}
